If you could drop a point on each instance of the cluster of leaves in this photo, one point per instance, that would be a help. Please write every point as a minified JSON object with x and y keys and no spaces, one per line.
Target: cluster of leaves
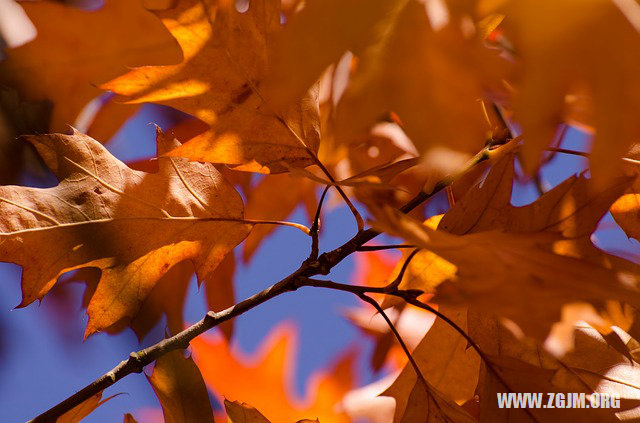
{"x":389,"y":102}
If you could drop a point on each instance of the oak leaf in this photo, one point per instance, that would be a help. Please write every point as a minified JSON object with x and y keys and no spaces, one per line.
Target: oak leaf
{"x":71,"y":53}
{"x":327,"y":28}
{"x":573,"y":209}
{"x":226,"y":55}
{"x":626,"y":209}
{"x":132,"y":225}
{"x":444,"y":359}
{"x":555,"y":63}
{"x":229,"y":375}
{"x":430,"y":75}
{"x":178,"y":384}
{"x":517,"y":276}
{"x":525,"y":367}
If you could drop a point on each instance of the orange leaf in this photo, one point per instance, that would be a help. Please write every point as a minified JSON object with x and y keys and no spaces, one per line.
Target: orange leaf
{"x":558,"y":57}
{"x":237,"y":378}
{"x":226,"y":54}
{"x":276,"y":197}
{"x":431,"y":76}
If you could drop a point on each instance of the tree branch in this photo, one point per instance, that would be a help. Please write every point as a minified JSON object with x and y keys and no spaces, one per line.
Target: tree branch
{"x":301,"y":277}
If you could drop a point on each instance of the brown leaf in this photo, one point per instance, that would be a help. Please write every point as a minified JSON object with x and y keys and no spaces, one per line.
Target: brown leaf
{"x":72,"y":53}
{"x":166,"y":298}
{"x":516,"y":275}
{"x":626,"y":209}
{"x":244,"y":131}
{"x":431,"y":78}
{"x":133,"y":225}
{"x":555,"y":62}
{"x":573,"y":209}
{"x":592,"y":367}
{"x":426,"y":405}
{"x":328,"y":28}
{"x":220,"y":292}
{"x":128,"y":418}
{"x":444,"y":360}
{"x":178,"y":384}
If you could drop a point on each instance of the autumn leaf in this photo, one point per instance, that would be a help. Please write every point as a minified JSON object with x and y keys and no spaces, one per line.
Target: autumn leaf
{"x":80,"y":411}
{"x":132,"y":225}
{"x":431,"y":75}
{"x":512,"y":275}
{"x":220,"y":292}
{"x":556,"y":65}
{"x":71,"y":53}
{"x":226,"y":55}
{"x":525,"y":367}
{"x":626,"y":209}
{"x":179,"y":386}
{"x":328,"y":28}
{"x":239,"y":378}
{"x":445,"y":361}
{"x":573,"y":208}
{"x":165,"y":299}
{"x":426,"y":404}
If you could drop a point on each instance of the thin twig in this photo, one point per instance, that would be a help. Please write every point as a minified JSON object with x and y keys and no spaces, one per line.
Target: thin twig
{"x":365,"y":248}
{"x":393,"y":285}
{"x":379,"y":309}
{"x":315,"y":227}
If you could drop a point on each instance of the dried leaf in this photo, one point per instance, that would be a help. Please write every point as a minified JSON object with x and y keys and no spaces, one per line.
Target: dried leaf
{"x":516,"y":275}
{"x":554,"y":62}
{"x":431,"y":78}
{"x":244,"y":131}
{"x":276,"y":197}
{"x":327,"y":28}
{"x":133,"y":225}
{"x":220,"y":291}
{"x":444,"y":360}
